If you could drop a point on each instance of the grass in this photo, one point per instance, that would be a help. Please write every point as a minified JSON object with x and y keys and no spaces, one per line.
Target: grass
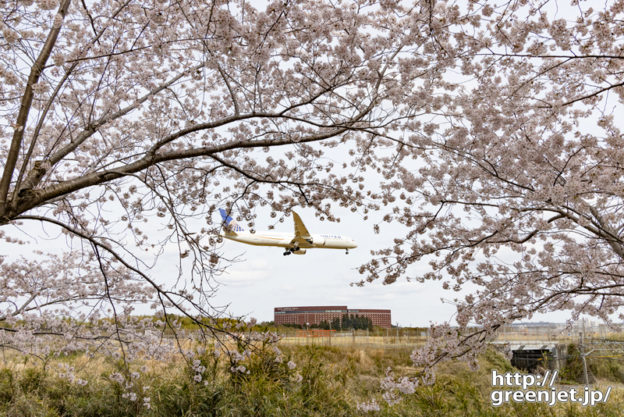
{"x":327,"y":381}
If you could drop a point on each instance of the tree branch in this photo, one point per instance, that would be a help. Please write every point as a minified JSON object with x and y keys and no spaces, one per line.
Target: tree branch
{"x":25,"y":105}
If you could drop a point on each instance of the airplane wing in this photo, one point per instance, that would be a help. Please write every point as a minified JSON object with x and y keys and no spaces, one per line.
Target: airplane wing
{"x":301,"y":233}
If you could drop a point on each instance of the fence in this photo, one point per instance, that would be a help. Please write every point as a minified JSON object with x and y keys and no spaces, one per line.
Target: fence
{"x":393,"y":338}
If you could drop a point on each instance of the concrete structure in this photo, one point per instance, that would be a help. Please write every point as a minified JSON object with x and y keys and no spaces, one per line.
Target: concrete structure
{"x":314,"y":315}
{"x":529,"y":355}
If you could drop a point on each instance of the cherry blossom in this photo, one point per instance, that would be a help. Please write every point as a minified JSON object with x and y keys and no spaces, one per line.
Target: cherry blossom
{"x":512,"y":192}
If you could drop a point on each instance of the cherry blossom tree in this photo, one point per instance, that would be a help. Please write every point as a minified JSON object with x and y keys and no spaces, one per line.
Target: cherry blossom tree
{"x":517,"y":199}
{"x":487,"y":128}
{"x":127,"y":123}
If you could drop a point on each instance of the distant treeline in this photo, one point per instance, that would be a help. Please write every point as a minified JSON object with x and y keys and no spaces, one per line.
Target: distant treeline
{"x":347,"y":322}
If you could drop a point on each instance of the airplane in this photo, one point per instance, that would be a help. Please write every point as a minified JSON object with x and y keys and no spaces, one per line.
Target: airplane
{"x":297,"y":242}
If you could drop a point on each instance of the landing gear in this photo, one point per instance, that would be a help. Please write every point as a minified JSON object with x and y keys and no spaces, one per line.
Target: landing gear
{"x":291,"y":250}
{"x":347,"y":251}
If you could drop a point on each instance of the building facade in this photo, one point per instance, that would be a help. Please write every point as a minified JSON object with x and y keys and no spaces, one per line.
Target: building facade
{"x":314,"y":315}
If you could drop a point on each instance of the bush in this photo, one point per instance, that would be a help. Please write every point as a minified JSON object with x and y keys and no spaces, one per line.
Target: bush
{"x":572,"y":371}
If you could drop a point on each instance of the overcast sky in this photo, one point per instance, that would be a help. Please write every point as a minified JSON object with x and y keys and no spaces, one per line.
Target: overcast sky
{"x":266,"y":279}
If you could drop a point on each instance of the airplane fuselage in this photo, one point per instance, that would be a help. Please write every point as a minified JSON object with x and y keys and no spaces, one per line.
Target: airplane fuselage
{"x":285,"y":240}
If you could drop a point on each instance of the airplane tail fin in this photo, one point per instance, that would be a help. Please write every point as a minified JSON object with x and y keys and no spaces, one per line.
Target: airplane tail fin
{"x":229,"y":223}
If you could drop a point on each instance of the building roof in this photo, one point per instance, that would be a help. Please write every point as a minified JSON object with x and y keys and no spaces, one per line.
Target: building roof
{"x":312,"y":309}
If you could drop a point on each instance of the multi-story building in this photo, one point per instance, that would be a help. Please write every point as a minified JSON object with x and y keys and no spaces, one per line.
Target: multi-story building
{"x":314,"y":315}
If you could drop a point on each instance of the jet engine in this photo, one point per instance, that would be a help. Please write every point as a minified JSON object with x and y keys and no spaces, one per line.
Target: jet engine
{"x":299,"y":252}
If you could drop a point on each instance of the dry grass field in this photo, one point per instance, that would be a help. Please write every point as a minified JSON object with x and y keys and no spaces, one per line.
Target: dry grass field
{"x":323,"y":380}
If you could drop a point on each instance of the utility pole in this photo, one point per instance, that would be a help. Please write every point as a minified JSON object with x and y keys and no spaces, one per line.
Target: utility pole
{"x":397,"y":333}
{"x":307,"y":333}
{"x":585,"y":376}
{"x":329,"y":336}
{"x":583,"y":354}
